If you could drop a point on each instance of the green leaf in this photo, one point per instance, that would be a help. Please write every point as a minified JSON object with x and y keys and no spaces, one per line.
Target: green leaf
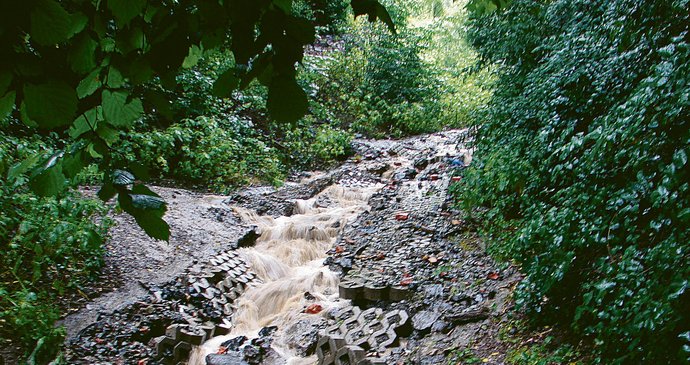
{"x":107,"y":44}
{"x":49,"y":182}
{"x":50,"y":23}
{"x":140,"y":71}
{"x":107,"y":134}
{"x":226,"y":83}
{"x":7,"y":104}
{"x":79,"y":22}
{"x":24,"y":116}
{"x":126,"y":10}
{"x":160,"y":103}
{"x":155,"y":227}
{"x":385,"y":17}
{"x":147,"y":202}
{"x":115,"y":79}
{"x":122,"y":178}
{"x":147,"y":210}
{"x":193,"y":57}
{"x":84,"y":123}
{"x":301,"y":30}
{"x":51,"y":105}
{"x":287,"y":101}
{"x":140,"y":171}
{"x":82,"y":56}
{"x":90,"y":84}
{"x":117,"y":111}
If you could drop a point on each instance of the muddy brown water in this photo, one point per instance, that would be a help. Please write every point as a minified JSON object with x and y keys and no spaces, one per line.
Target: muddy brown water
{"x":288,"y":257}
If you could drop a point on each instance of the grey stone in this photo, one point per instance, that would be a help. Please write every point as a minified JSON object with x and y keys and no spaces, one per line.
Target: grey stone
{"x":422,"y":321}
{"x":225,"y":359}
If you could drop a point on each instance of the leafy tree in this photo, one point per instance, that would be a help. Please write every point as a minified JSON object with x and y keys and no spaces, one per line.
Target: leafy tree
{"x":80,"y":67}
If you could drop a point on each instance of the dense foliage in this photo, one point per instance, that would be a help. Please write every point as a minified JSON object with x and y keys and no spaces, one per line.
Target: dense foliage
{"x":48,"y":246}
{"x":582,"y":167}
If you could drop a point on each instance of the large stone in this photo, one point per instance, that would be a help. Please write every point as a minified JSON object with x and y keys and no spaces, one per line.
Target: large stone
{"x":424,"y":320}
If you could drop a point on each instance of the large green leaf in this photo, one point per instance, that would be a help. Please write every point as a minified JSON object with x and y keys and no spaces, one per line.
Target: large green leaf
{"x":118,"y":111}
{"x":126,"y":10}
{"x":287,"y":101}
{"x":51,"y":105}
{"x":300,"y":30}
{"x":193,"y":57}
{"x":147,"y":209}
{"x":115,"y":78}
{"x":90,"y":84}
{"x":285,"y":5}
{"x":107,"y":192}
{"x":51,"y":23}
{"x":73,"y":163}
{"x":86,"y":122}
{"x":22,"y":167}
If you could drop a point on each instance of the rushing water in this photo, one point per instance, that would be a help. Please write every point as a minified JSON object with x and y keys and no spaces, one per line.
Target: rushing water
{"x":288,"y":257}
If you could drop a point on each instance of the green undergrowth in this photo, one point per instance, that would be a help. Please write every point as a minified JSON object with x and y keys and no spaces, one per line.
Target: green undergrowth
{"x":49,"y":246}
{"x":539,"y":346}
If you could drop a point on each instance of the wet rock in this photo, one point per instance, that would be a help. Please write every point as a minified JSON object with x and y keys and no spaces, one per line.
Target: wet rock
{"x":225,"y":359}
{"x":421,"y":163}
{"x":249,"y":238}
{"x":345,"y":263}
{"x":234,"y":343}
{"x":378,"y":168}
{"x":440,"y":326}
{"x":268,"y":331}
{"x":304,"y":337}
{"x":424,"y":320}
{"x":434,"y":291}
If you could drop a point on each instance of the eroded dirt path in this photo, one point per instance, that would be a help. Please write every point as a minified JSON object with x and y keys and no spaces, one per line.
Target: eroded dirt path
{"x":363,"y":264}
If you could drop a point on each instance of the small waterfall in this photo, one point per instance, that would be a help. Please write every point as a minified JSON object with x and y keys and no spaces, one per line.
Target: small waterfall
{"x":288,"y":257}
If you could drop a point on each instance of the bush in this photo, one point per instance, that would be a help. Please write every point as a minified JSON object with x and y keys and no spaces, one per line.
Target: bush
{"x":582,"y":168}
{"x":307,"y":145}
{"x":220,"y":154}
{"x":379,"y":85}
{"x":48,"y":247}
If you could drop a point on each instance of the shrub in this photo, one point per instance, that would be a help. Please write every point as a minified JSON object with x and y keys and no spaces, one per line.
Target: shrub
{"x":220,"y":154}
{"x":582,"y":168}
{"x":48,"y":247}
{"x":307,"y":145}
{"x":379,"y":85}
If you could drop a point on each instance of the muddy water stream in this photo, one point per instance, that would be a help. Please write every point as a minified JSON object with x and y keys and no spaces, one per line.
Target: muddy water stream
{"x":288,"y":257}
